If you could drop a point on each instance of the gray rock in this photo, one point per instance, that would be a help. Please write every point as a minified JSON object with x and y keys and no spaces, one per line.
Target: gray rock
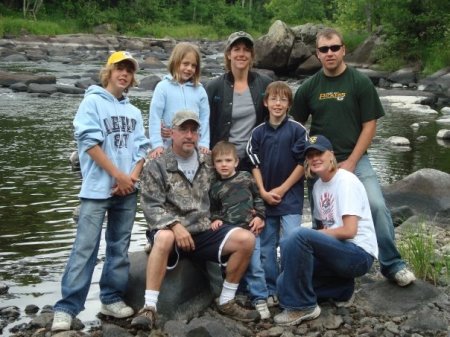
{"x":386,"y":298}
{"x":398,"y":141}
{"x":19,"y":87}
{"x":149,"y":82}
{"x":42,"y":88}
{"x":9,"y":78}
{"x":68,"y":89}
{"x":429,"y":321}
{"x":445,"y":110}
{"x":15,"y":58}
{"x":400,"y":214}
{"x":403,"y":76}
{"x":273,"y":49}
{"x":426,"y":191}
{"x":112,"y":330}
{"x":186,"y":290}
{"x":309,"y":67}
{"x":443,"y":134}
{"x":363,"y":54}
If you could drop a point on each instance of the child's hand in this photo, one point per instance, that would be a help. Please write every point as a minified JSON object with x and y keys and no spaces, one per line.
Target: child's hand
{"x":215,"y":225}
{"x":204,"y":150}
{"x":271,"y":198}
{"x":256,"y":225}
{"x":278,"y":191}
{"x":166,"y":132}
{"x":124,"y":185}
{"x":156,"y":152}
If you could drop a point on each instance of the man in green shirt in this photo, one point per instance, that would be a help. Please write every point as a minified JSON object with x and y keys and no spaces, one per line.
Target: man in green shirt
{"x":344,"y":107}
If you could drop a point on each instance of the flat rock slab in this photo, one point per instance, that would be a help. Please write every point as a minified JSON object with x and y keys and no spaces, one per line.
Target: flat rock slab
{"x":386,"y":298}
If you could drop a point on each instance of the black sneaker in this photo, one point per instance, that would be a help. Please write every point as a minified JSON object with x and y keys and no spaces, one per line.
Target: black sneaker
{"x":145,"y":319}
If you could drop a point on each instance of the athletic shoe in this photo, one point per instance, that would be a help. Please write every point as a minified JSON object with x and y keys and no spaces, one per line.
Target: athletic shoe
{"x":117,"y":310}
{"x":145,"y":320}
{"x":61,"y":321}
{"x":232,"y":310}
{"x":272,"y":301}
{"x":404,"y":277}
{"x":294,"y":317}
{"x":261,"y":307}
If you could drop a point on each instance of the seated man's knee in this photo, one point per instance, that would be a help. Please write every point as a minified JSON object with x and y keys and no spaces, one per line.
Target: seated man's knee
{"x":164,"y":240}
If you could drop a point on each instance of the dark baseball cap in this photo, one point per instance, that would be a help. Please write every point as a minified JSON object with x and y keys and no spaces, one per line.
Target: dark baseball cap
{"x":319,"y":142}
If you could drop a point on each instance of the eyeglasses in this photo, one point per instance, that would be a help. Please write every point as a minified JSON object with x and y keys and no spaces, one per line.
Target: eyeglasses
{"x":334,"y":48}
{"x":185,"y":130}
{"x":278,"y":99}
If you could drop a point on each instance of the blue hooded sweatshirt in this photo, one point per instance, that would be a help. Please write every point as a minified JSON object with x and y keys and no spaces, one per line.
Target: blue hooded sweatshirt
{"x":169,"y":97}
{"x":117,"y":127}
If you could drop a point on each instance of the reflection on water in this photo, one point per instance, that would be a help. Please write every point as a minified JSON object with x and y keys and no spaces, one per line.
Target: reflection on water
{"x":38,"y":190}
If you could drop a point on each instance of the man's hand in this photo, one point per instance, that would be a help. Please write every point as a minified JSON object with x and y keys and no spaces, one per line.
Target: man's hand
{"x":183,"y":238}
{"x":156,"y":152}
{"x":347,"y":165}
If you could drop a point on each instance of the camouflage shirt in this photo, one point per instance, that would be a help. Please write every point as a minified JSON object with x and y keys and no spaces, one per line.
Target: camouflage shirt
{"x":167,"y":196}
{"x":234,"y":200}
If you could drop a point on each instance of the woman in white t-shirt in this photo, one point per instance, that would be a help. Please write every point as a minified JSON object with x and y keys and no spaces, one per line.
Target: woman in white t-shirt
{"x":321,"y":264}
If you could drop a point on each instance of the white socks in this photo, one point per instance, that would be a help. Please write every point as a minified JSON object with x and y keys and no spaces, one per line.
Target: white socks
{"x":228,"y":292}
{"x":151,"y":298}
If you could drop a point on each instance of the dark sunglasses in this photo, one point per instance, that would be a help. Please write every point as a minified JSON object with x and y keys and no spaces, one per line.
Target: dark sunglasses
{"x":334,"y":48}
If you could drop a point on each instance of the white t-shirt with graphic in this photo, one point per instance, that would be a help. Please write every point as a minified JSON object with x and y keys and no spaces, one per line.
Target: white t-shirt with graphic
{"x":343,"y":195}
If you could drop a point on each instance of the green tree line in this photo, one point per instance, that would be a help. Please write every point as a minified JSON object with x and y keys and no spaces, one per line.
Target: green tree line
{"x":414,"y":31}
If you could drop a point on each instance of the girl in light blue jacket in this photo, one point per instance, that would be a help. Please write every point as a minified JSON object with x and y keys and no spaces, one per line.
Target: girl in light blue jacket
{"x":180,"y":90}
{"x":112,"y":148}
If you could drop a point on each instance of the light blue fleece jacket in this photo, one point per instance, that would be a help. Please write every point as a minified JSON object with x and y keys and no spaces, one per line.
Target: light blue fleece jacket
{"x":169,"y":97}
{"x":118,"y":128}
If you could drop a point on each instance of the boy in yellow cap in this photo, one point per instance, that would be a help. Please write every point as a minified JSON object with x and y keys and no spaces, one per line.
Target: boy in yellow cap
{"x":112,"y":147}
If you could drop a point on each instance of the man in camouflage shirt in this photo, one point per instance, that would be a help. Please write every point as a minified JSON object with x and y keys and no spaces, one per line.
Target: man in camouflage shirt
{"x":175,"y":202}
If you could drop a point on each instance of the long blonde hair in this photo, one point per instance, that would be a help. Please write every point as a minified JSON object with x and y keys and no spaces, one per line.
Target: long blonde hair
{"x":178,"y":53}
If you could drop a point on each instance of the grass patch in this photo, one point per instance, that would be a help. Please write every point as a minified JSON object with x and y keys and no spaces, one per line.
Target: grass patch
{"x":183,"y":31}
{"x":354,"y":39}
{"x":418,"y":247}
{"x":19,"y":26}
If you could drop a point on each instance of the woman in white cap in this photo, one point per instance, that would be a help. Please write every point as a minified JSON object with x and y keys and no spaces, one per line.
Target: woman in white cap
{"x":236,"y":97}
{"x":112,"y":147}
{"x":321,"y":264}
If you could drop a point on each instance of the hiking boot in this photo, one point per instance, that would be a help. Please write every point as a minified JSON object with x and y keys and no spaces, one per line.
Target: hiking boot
{"x":272,"y":301}
{"x":145,"y":319}
{"x":61,"y":321}
{"x":404,"y":277}
{"x":294,"y":317}
{"x":261,"y":307}
{"x":232,"y":310}
{"x":117,"y":310}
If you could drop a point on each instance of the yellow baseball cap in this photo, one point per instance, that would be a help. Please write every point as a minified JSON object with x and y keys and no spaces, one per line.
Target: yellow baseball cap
{"x":119,"y":56}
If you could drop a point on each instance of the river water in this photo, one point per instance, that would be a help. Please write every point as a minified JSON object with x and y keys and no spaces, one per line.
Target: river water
{"x":38,"y":189}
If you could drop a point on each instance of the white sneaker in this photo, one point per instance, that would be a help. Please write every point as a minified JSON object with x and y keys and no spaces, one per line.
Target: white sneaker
{"x":261,"y":306}
{"x":117,"y":310}
{"x":404,"y":277}
{"x":61,"y":321}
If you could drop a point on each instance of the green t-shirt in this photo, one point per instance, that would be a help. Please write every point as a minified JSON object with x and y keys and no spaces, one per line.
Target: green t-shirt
{"x":338,"y":107}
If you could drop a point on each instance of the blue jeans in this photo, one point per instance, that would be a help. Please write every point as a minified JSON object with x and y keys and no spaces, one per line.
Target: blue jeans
{"x":388,"y":256}
{"x":270,"y":239}
{"x":317,"y":267}
{"x":83,"y":258}
{"x":254,"y":278}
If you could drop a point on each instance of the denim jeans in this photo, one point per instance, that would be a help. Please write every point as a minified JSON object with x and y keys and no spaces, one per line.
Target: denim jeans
{"x":270,"y":239}
{"x":317,"y":267}
{"x":388,"y":256}
{"x":83,"y":258}
{"x":254,"y":278}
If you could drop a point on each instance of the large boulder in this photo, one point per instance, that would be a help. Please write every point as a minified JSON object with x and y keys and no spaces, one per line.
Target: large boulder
{"x":8,"y":78}
{"x":187,"y":290}
{"x":363,"y":54}
{"x":274,"y":49}
{"x":426,"y":192}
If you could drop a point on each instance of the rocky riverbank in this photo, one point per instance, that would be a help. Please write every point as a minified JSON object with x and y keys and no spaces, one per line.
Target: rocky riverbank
{"x":380,"y":308}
